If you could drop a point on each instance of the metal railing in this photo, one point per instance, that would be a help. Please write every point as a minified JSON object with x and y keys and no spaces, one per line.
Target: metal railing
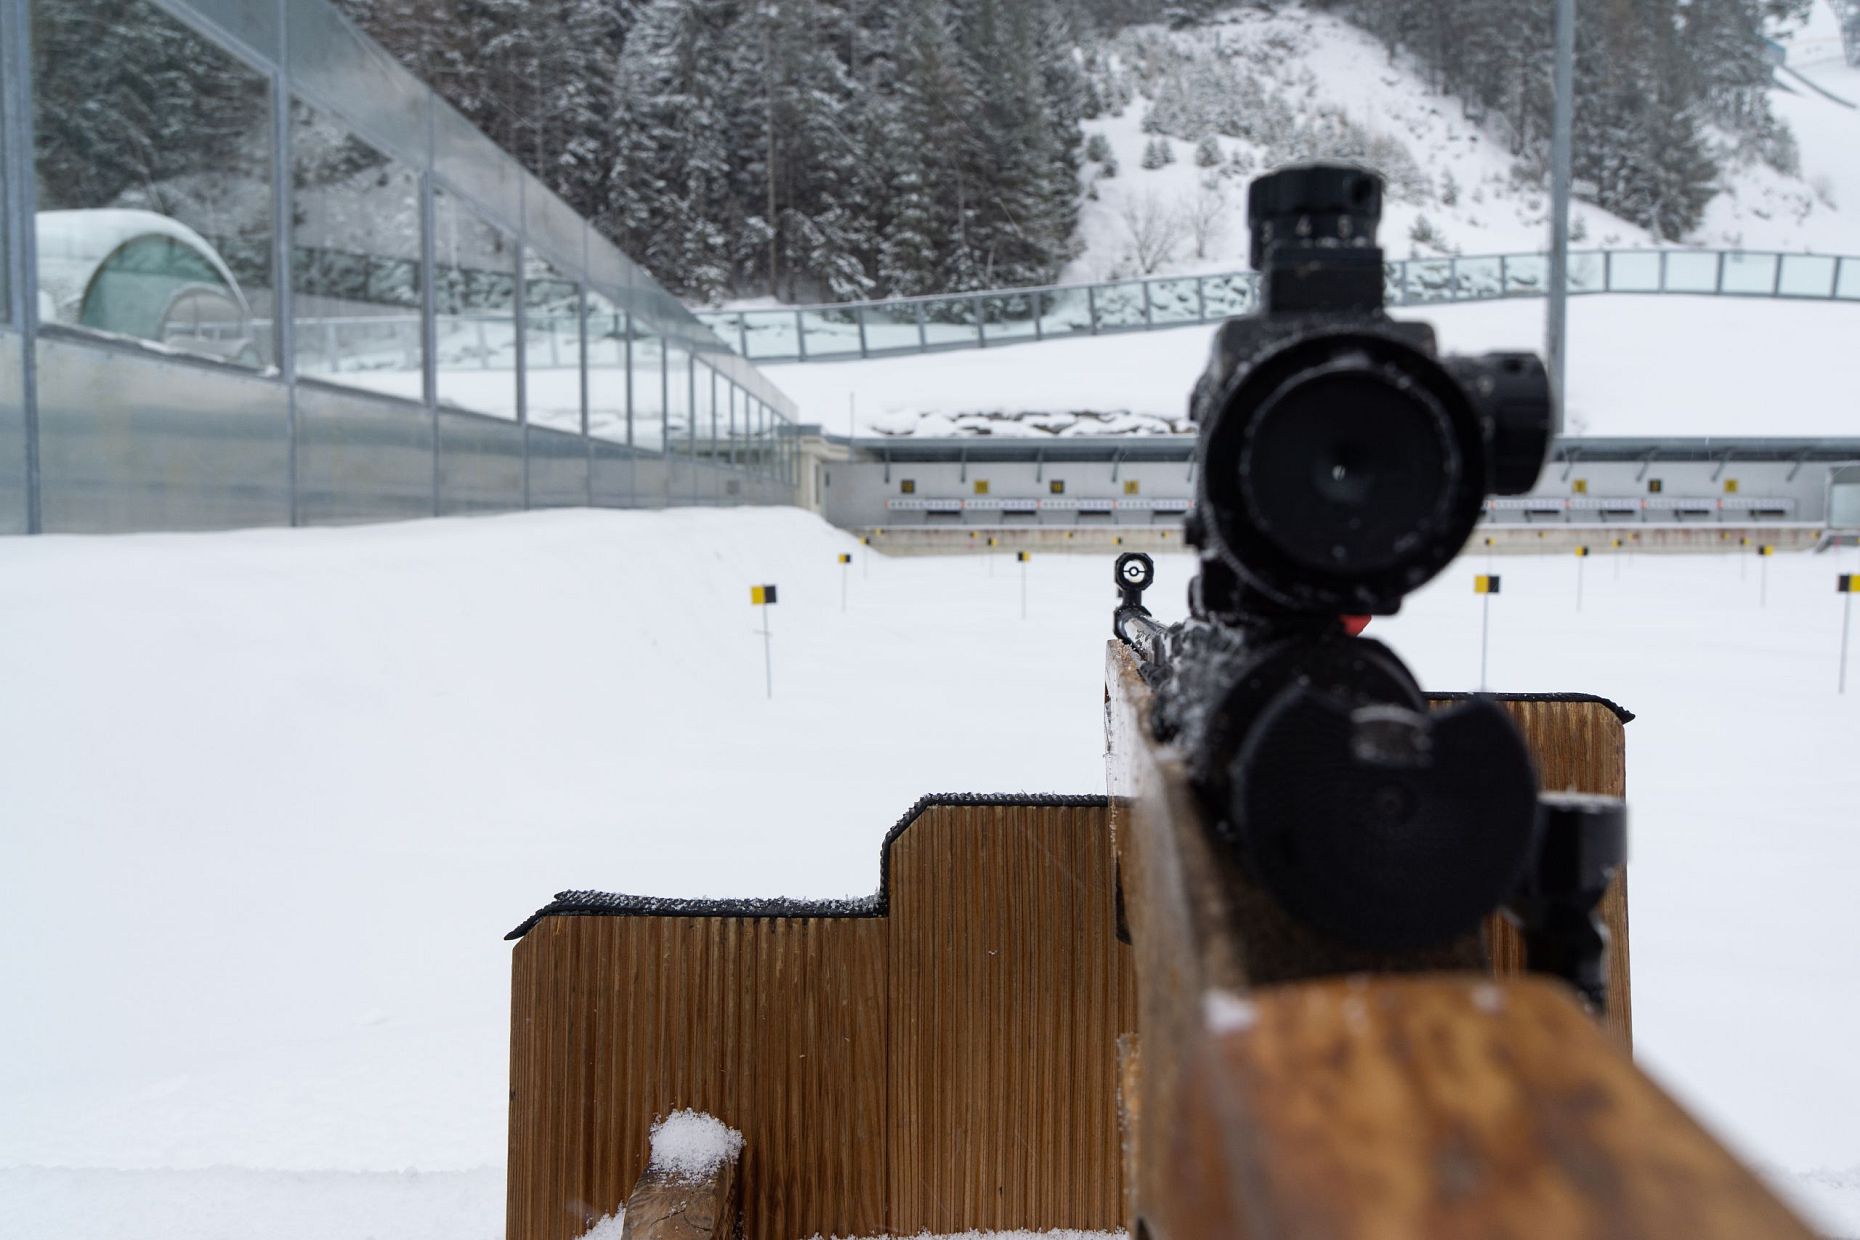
{"x":860,"y":329}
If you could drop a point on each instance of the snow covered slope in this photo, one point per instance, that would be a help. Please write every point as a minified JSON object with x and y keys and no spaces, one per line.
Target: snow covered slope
{"x":1638,"y":365}
{"x":1454,"y":187}
{"x":273,"y":797}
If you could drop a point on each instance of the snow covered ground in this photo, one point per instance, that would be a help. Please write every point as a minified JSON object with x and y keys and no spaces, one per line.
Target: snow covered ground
{"x":1638,"y":365}
{"x":273,"y":797}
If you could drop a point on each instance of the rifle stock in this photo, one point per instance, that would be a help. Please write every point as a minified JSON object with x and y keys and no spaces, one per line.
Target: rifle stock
{"x":1446,"y":1102}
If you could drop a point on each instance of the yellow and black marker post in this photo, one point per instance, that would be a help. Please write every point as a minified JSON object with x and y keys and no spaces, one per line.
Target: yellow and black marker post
{"x":1485,"y":585}
{"x":764,"y":597}
{"x":1848,"y":584}
{"x":845,"y":572}
{"x":1614,"y":545}
{"x":1022,"y":557}
{"x":1582,"y":555}
{"x":1764,"y":552}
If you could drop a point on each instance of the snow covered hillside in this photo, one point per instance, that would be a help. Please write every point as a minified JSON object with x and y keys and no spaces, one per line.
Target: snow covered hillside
{"x":1454,"y":188}
{"x":273,"y":797}
{"x":1749,"y":368}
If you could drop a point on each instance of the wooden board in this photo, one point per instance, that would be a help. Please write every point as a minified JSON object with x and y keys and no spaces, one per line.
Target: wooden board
{"x":1443,"y":1106}
{"x":952,"y":1060}
{"x":770,"y":1024}
{"x":1008,"y":991}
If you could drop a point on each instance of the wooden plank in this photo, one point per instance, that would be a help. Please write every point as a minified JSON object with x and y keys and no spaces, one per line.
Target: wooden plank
{"x":775,"y":1026}
{"x":668,"y":1206}
{"x":1008,"y":991}
{"x":1445,"y":1106}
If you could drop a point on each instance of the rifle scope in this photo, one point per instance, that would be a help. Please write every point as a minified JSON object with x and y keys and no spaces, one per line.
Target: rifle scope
{"x":1343,"y":462}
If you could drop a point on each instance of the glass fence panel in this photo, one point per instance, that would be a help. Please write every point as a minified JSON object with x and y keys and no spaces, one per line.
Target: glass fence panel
{"x":355,"y":260}
{"x":648,"y":390}
{"x":949,"y":321}
{"x":153,"y":165}
{"x":1634,"y":271}
{"x":712,"y":390}
{"x":832,"y":332}
{"x":726,"y":323}
{"x":1749,"y":273}
{"x":475,"y":295}
{"x":772,"y":333}
{"x":1011,"y":316}
{"x":1588,"y":272}
{"x":605,"y":330}
{"x":1847,"y":282}
{"x":1118,"y":305}
{"x":1479,"y":278}
{"x":1526,"y":275}
{"x":1175,"y":301}
{"x":678,"y":382}
{"x":1690,"y":272}
{"x":1065,"y":312}
{"x":1229,"y":295}
{"x":891,"y":326}
{"x":1427,"y":280}
{"x":551,"y":346}
{"x":1806,"y":275}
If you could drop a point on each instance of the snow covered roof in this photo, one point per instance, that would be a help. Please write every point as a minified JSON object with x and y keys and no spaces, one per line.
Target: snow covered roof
{"x":73,"y":244}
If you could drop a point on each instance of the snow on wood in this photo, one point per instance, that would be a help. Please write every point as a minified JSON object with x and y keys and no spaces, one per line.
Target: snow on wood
{"x":692,"y":1144}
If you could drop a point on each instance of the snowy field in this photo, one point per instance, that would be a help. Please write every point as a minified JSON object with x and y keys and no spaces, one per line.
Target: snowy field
{"x":273,"y":798}
{"x":1638,"y":365}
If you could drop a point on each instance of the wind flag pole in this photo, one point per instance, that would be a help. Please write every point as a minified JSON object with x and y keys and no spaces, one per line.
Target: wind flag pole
{"x":1023,"y":557}
{"x":1582,"y":556}
{"x":1849,"y":585}
{"x":1485,"y":585}
{"x":764,"y":597}
{"x":845,"y":572}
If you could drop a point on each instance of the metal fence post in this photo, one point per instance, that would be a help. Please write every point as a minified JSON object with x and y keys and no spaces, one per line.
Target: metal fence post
{"x":1776,"y":280}
{"x":923,"y":336}
{"x":859,"y":316}
{"x":742,"y":331}
{"x":800,"y":338}
{"x":1504,"y":275}
{"x":981,"y":337}
{"x":1038,"y":310}
{"x":1201,"y":299}
{"x":1091,"y":307}
{"x":1718,"y":287}
{"x":1149,"y":314}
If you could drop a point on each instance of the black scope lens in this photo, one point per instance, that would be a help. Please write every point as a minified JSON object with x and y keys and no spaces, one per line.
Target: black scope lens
{"x":1342,"y":471}
{"x":1342,"y":468}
